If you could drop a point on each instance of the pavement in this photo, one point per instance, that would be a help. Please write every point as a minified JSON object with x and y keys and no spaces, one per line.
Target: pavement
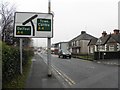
{"x":38,"y":76}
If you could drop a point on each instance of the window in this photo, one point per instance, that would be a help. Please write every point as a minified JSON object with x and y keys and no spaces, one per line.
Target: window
{"x":102,"y":48}
{"x":91,"y":50}
{"x":77,"y":50}
{"x":118,"y":47}
{"x":72,"y":44}
{"x":77,"y":43}
{"x":111,"y":47}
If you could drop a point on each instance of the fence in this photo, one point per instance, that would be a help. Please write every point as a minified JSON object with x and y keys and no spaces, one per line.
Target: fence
{"x":106,"y":55}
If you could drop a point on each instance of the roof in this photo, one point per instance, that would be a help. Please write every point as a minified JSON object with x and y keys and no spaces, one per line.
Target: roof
{"x":93,"y":41}
{"x":83,"y":36}
{"x":105,"y":39}
{"x":116,"y":37}
{"x":109,"y":39}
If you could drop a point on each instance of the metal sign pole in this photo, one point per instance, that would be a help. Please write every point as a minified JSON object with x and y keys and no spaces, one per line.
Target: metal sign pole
{"x":21,"y":56}
{"x":49,"y":58}
{"x":49,"y":46}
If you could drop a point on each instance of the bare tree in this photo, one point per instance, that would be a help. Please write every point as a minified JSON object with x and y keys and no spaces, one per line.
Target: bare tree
{"x":7,"y":20}
{"x":7,"y":14}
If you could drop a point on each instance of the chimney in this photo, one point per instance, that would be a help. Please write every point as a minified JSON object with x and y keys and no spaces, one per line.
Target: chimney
{"x":104,"y":34}
{"x":116,"y":31}
{"x":82,"y":32}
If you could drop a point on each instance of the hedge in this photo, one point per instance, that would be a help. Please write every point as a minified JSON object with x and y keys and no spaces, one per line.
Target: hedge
{"x":11,"y":61}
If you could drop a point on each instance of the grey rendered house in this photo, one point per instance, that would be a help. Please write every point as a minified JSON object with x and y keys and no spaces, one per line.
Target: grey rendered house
{"x":79,"y":44}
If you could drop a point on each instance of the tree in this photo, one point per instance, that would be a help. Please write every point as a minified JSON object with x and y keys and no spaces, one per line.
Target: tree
{"x":7,"y":14}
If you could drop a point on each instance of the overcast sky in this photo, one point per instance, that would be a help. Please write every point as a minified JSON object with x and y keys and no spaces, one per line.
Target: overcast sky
{"x":73,"y":16}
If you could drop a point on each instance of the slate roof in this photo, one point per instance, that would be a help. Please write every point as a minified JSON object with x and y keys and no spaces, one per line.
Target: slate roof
{"x":116,"y":37}
{"x":105,"y":39}
{"x":83,"y":36}
{"x":93,"y":41}
{"x":110,"y":38}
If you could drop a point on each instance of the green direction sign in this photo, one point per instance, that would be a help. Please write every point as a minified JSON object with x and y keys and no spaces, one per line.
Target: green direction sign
{"x":43,"y":24}
{"x":23,"y":30}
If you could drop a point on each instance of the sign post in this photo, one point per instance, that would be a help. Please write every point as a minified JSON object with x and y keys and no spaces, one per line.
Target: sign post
{"x":49,"y":47}
{"x":21,"y":69}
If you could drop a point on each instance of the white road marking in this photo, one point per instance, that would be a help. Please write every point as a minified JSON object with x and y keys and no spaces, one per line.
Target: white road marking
{"x":98,"y":62}
{"x":64,"y":76}
{"x":86,"y":61}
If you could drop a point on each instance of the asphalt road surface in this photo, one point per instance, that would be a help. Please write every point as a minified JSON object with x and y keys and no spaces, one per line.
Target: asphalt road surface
{"x":78,"y":73}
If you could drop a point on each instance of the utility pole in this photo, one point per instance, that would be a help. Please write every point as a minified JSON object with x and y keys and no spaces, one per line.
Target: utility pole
{"x":49,"y":46}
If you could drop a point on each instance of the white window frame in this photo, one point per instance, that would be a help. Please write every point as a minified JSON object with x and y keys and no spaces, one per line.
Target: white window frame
{"x":118,"y":47}
{"x":102,"y":48}
{"x":77,"y":43}
{"x":78,"y":50}
{"x":111,"y":48}
{"x":91,"y":50}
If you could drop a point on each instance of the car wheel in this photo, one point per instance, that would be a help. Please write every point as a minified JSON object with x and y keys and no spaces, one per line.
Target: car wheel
{"x":63,"y":56}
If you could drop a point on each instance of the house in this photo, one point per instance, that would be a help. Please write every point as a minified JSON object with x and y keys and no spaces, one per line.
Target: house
{"x":113,"y":44}
{"x":108,"y":46}
{"x":101,"y":42}
{"x":110,"y":42}
{"x":79,"y":44}
{"x":92,"y":45}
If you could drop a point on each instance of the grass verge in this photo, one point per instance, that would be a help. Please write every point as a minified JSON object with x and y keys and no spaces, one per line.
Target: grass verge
{"x":20,"y":80}
{"x":85,"y":57}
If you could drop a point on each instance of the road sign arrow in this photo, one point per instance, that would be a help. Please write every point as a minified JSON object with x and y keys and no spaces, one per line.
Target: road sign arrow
{"x":30,"y":20}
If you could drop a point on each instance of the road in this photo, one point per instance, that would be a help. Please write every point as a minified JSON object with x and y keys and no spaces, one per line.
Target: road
{"x":78,"y":73}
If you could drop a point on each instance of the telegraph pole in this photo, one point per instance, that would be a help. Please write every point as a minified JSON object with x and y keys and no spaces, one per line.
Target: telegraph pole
{"x":49,"y":46}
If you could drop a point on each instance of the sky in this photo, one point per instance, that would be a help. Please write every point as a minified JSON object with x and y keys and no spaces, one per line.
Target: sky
{"x":73,"y":16}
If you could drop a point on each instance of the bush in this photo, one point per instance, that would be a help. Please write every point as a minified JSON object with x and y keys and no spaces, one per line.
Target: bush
{"x":11,"y":61}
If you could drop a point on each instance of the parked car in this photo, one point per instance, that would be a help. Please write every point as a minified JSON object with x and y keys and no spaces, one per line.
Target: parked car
{"x":64,"y":54}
